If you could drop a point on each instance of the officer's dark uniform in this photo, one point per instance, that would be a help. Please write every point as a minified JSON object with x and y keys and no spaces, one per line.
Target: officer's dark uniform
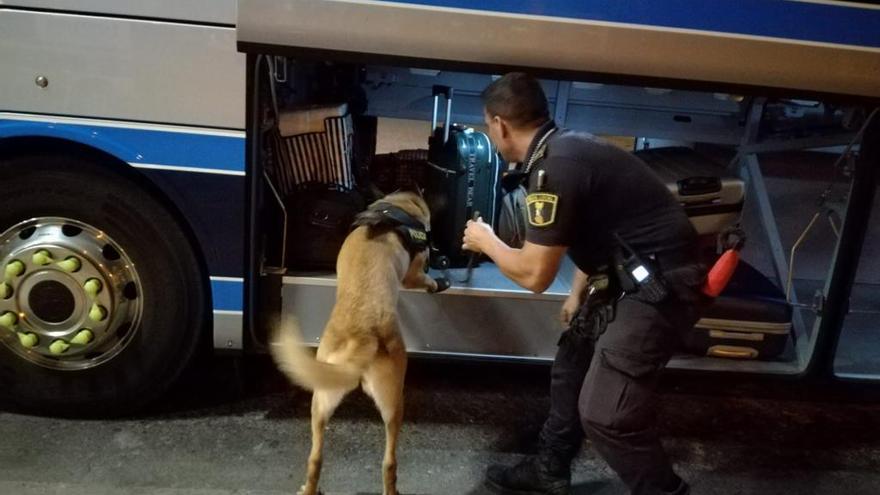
{"x":584,"y":193}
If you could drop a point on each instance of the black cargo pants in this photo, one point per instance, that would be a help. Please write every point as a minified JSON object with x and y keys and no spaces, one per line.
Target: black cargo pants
{"x":603,"y":383}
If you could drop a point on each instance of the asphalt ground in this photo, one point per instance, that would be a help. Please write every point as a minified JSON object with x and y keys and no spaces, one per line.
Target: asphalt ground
{"x":235,"y":426}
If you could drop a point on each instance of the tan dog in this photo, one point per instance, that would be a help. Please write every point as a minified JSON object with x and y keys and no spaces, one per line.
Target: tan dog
{"x":361,"y":343}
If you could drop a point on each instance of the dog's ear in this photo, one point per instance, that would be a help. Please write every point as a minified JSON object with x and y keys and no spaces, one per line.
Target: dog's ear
{"x":420,"y":205}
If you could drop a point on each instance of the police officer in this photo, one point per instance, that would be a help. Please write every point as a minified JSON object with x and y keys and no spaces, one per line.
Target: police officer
{"x":635,"y":291}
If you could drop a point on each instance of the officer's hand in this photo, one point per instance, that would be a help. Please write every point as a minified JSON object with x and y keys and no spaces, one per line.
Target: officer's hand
{"x":569,"y":308}
{"x":477,"y":236}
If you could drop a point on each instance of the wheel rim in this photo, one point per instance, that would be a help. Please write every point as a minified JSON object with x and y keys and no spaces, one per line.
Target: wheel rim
{"x":70,"y":297}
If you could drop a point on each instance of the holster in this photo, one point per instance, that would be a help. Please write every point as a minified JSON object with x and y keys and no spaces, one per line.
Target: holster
{"x":592,"y":318}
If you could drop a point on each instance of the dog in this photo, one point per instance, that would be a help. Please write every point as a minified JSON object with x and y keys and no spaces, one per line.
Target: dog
{"x":361,"y":343}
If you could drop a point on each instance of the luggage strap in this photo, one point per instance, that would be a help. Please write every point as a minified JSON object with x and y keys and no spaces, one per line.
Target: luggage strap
{"x":414,"y":235}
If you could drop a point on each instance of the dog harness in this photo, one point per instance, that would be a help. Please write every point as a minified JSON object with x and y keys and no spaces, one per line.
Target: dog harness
{"x":414,"y":235}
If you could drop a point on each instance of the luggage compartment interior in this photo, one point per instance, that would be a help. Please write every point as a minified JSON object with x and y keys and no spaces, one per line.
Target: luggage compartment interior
{"x":381,"y":119}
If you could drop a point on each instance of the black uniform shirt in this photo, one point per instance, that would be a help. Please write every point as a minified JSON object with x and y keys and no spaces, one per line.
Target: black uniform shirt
{"x":592,"y":189}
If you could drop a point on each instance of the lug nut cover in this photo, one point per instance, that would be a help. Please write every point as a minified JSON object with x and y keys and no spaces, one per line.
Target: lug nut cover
{"x":70,"y":264}
{"x":93,"y":287}
{"x":8,"y":319}
{"x":28,"y":340}
{"x":59,"y":347}
{"x":83,"y":337}
{"x":98,"y":312}
{"x":14,"y":269}
{"x":42,"y":257}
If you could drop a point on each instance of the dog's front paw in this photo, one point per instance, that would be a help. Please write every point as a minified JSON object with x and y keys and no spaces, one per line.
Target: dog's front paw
{"x":302,"y":491}
{"x":440,"y":284}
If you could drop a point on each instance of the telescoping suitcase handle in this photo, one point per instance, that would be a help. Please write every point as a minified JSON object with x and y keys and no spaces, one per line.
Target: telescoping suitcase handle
{"x":447,"y":93}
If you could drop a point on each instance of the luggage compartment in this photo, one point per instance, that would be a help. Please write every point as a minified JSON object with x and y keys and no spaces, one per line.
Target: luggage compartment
{"x":390,"y":144}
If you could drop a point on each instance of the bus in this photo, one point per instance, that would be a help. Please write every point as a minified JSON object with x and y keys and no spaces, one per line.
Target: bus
{"x":142,"y":219}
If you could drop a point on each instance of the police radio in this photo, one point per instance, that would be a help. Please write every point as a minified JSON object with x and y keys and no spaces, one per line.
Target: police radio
{"x":637,"y":275}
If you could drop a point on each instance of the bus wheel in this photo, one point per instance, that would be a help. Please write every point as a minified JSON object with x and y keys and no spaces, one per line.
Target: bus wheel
{"x":102,"y":299}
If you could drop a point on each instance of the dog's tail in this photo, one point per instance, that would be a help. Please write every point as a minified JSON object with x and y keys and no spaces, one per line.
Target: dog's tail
{"x":301,"y":367}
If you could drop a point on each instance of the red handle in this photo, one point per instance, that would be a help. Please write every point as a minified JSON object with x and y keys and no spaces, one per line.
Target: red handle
{"x":719,"y":275}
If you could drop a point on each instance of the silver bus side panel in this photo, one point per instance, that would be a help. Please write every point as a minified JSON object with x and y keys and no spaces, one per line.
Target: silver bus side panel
{"x":208,"y":11}
{"x":122,"y":69}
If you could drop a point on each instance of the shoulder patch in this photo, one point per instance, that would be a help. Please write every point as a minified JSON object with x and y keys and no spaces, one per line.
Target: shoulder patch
{"x":542,"y":208}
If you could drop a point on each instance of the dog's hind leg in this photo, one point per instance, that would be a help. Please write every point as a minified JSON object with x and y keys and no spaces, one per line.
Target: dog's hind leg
{"x":324,"y":403}
{"x":383,"y":381}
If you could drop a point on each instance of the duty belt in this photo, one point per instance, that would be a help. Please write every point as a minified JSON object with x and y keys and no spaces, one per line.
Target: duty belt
{"x":674,"y":258}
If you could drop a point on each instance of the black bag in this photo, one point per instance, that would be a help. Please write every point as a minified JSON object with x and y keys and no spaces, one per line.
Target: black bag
{"x":513,"y":214}
{"x":319,"y":221}
{"x":461,"y":180}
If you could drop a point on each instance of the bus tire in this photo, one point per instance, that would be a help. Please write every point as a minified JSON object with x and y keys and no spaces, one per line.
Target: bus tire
{"x":80,"y":347}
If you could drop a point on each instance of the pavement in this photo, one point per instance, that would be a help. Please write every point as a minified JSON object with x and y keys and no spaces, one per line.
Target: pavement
{"x":235,"y":426}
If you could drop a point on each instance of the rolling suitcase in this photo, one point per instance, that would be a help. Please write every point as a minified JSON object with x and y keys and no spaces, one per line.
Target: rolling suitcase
{"x":712,"y":198}
{"x":461,"y":180}
{"x":749,"y":320}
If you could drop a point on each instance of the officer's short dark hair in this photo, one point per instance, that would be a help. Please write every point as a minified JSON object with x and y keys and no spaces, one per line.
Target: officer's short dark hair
{"x":517,"y":98}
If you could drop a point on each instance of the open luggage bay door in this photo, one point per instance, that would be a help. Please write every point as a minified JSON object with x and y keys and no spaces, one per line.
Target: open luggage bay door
{"x":689,"y":72}
{"x":726,"y":43}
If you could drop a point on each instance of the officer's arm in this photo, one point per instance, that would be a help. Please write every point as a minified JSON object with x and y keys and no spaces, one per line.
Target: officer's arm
{"x":579,"y":283}
{"x":533,"y":267}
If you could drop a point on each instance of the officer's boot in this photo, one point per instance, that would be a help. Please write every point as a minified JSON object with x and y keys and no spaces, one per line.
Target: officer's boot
{"x":547,"y":473}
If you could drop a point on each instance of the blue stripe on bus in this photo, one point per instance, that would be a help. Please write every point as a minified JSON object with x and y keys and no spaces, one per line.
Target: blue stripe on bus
{"x":842,"y":24}
{"x":228,"y":295}
{"x":147,"y":146}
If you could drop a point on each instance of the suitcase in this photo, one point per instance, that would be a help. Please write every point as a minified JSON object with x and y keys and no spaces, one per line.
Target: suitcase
{"x":749,"y":320}
{"x":461,"y":180}
{"x":712,"y":197}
